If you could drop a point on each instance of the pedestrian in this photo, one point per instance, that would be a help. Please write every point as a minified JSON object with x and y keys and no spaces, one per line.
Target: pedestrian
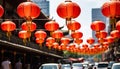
{"x":18,"y":65}
{"x":6,"y":64}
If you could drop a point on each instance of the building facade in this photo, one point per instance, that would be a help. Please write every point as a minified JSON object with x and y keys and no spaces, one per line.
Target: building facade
{"x":44,"y":5}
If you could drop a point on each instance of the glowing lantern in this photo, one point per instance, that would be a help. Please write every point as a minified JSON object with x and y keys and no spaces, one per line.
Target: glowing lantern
{"x":105,"y":44}
{"x":111,"y":9}
{"x":68,"y":10}
{"x":58,"y":35}
{"x":51,"y":26}
{"x":73,"y":25}
{"x":98,"y":26}
{"x":28,"y":10}
{"x":40,"y":34}
{"x":40,"y":41}
{"x":59,"y":48}
{"x":101,"y":40}
{"x":65,"y":40}
{"x":28,"y":26}
{"x":55,"y":45}
{"x":77,"y":34}
{"x":71,"y":46}
{"x":109,"y":39}
{"x":24,"y":35}
{"x":49,"y":45}
{"x":63,"y":46}
{"x":1,"y":11}
{"x":8,"y":26}
{"x":78,"y":41}
{"x":101,"y":34}
{"x":115,"y":34}
{"x":90,"y":40}
{"x":84,"y":45}
{"x":49,"y":42}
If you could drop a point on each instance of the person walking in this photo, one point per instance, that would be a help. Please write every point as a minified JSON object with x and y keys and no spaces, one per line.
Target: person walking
{"x":18,"y":65}
{"x":6,"y":64}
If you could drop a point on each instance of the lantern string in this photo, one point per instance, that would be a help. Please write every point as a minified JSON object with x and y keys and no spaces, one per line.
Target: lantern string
{"x":40,"y":44}
{"x":8,"y":34}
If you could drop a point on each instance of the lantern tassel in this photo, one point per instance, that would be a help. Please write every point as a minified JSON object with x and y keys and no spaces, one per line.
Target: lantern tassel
{"x":8,"y":34}
{"x":25,"y":41}
{"x":40,"y":45}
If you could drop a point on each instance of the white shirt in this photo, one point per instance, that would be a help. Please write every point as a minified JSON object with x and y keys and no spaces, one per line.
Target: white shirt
{"x":6,"y":64}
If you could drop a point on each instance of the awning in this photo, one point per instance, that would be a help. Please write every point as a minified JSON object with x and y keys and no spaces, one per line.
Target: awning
{"x":27,"y":49}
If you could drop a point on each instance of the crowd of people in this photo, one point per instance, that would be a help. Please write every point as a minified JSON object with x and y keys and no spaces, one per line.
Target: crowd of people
{"x":6,"y":64}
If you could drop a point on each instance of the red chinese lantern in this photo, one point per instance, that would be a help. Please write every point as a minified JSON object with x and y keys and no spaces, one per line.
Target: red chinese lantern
{"x":105,"y":44}
{"x":98,"y":26}
{"x":65,"y":40}
{"x":90,"y":40}
{"x":118,"y":25}
{"x":77,"y":34}
{"x":68,"y":10}
{"x":71,"y":46}
{"x":49,"y":45}
{"x":40,"y":34}
{"x":57,"y":34}
{"x":24,"y":35}
{"x":63,"y":46}
{"x":1,"y":11}
{"x":101,"y":34}
{"x":8,"y":26}
{"x":101,"y":40}
{"x":50,"y":40}
{"x":78,"y":41}
{"x":51,"y":26}
{"x":40,"y":41}
{"x":85,"y":46}
{"x":55,"y":45}
{"x":109,"y":39}
{"x":73,"y":25}
{"x":28,"y":10}
{"x":115,"y":34}
{"x":111,"y":9}
{"x":31,"y":26}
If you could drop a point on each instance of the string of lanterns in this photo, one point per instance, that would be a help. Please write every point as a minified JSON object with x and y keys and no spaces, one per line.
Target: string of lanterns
{"x":67,"y":10}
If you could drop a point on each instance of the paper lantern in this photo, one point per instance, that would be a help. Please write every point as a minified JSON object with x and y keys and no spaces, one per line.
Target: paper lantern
{"x":1,"y":11}
{"x":40,"y":34}
{"x":77,"y":34}
{"x":51,"y":26}
{"x":28,"y":10}
{"x":111,"y":9}
{"x":68,"y":10}
{"x":8,"y":26}
{"x":90,"y":40}
{"x":65,"y":40}
{"x":98,"y":25}
{"x":73,"y":25}
{"x":57,"y":34}
{"x":28,"y":26}
{"x":24,"y":35}
{"x":115,"y":34}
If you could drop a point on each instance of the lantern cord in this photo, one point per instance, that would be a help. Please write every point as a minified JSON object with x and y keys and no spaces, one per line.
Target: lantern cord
{"x":8,"y":35}
{"x":40,"y":44}
{"x":25,"y":41}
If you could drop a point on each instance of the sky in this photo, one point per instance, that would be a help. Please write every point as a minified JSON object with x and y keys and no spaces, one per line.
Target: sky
{"x":84,"y":18}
